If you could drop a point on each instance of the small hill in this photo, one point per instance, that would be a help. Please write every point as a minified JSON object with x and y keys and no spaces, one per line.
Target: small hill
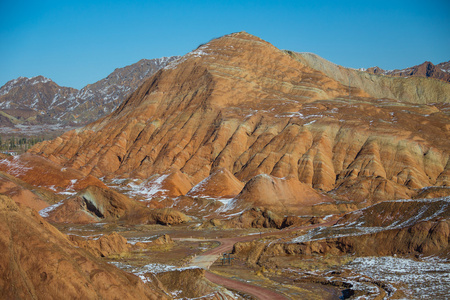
{"x":95,"y":204}
{"x":285,"y":196}
{"x":220,"y":184}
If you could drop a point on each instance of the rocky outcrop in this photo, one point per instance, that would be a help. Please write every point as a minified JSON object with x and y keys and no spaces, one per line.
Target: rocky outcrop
{"x":95,"y":204}
{"x":406,"y":228}
{"x":104,"y":245}
{"x":259,"y":218}
{"x":164,"y":240}
{"x":241,"y":104}
{"x":39,"y":262}
{"x":424,"y":238}
{"x":91,"y":205}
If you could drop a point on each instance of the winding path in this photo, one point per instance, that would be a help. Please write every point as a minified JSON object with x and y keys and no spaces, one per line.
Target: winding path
{"x":257,"y":291}
{"x":206,"y":259}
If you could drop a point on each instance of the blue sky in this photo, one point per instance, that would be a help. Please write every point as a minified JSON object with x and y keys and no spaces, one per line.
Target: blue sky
{"x":79,"y":42}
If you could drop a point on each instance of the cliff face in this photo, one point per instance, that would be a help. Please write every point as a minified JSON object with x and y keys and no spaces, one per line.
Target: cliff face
{"x":241,"y":104}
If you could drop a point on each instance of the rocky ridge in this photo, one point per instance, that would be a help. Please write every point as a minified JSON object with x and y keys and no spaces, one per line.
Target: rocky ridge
{"x":402,"y":227}
{"x":39,"y":100}
{"x":414,"y":89}
{"x":427,"y":69}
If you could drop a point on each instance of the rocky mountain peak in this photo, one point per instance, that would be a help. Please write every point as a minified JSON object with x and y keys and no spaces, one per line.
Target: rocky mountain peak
{"x":22,"y":82}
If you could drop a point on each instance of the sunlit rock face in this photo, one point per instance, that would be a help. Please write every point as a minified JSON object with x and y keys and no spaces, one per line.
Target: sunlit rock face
{"x":240,"y":104}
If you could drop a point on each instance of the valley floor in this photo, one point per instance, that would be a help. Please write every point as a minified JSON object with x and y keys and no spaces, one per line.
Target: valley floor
{"x":311,"y":277}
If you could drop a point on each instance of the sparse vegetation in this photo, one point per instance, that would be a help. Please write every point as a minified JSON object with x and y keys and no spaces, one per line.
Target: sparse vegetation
{"x":18,"y":145}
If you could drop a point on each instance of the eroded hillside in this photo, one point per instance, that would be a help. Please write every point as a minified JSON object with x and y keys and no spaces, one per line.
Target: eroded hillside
{"x":241,"y":104}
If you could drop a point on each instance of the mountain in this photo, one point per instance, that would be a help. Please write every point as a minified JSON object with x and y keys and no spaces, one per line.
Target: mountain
{"x":427,"y":69}
{"x":241,"y":104}
{"x":39,"y":100}
{"x":413,"y":89}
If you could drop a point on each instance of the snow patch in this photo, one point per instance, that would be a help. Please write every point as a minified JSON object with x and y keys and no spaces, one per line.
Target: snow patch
{"x":425,"y":279}
{"x":15,"y":167}
{"x":148,"y":189}
{"x":45,"y":212}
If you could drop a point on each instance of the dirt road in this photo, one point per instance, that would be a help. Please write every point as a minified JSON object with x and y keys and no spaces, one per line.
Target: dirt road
{"x":226,"y":245}
{"x":206,"y":259}
{"x":257,"y":291}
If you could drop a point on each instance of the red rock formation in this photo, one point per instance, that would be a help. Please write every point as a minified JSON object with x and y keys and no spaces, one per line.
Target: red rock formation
{"x":39,"y":262}
{"x":220,"y":184}
{"x":282,"y":195}
{"x":104,"y":245}
{"x":95,"y":204}
{"x":10,"y":187}
{"x":172,"y":183}
{"x":239,"y":103}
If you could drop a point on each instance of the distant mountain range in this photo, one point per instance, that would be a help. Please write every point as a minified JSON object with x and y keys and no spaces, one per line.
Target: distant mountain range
{"x":427,"y":69}
{"x":39,"y":100}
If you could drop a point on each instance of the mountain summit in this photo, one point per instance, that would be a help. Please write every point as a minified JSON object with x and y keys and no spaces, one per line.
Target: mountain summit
{"x":241,"y":104}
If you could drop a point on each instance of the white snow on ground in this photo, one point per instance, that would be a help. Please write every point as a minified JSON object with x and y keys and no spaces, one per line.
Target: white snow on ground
{"x":69,"y":191}
{"x":426,"y":279}
{"x":290,"y":115}
{"x":14,"y":166}
{"x":147,"y":189}
{"x":144,"y":239}
{"x":44,"y":212}
{"x":359,"y":228}
{"x":154,"y":268}
{"x":199,"y":52}
{"x":89,"y":237}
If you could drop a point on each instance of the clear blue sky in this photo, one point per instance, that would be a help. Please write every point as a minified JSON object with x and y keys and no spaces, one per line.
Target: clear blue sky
{"x":79,"y":42}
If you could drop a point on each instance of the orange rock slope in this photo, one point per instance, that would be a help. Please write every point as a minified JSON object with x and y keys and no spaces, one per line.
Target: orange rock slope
{"x":39,"y":262}
{"x":239,"y":103}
